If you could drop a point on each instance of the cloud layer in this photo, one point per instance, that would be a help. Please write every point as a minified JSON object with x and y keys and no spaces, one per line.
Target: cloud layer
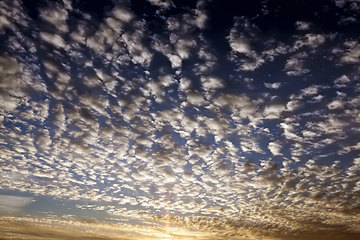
{"x":147,"y":118}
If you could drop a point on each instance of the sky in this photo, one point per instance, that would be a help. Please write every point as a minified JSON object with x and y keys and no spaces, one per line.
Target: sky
{"x":180,"y":119}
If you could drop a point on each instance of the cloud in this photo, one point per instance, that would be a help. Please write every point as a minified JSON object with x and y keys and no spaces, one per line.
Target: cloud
{"x":211,"y":83}
{"x":352,"y":53}
{"x":275,"y":85}
{"x":111,"y":37}
{"x":10,"y":203}
{"x":57,"y":16}
{"x":342,"y":81}
{"x":240,"y":46}
{"x":295,"y":67}
{"x":312,"y":90}
{"x":12,"y":88}
{"x":161,"y":3}
{"x":85,"y":229}
{"x":302,"y":25}
{"x":335,"y":104}
{"x":273,"y":111}
{"x":275,"y":148}
{"x":110,"y":127}
{"x":53,"y":39}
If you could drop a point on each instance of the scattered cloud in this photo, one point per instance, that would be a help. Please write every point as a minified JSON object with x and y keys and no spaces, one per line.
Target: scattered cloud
{"x":133,"y":123}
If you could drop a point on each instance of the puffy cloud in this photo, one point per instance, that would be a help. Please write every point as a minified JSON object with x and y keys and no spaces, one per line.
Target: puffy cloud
{"x":342,"y":81}
{"x":352,"y":53}
{"x":314,"y":40}
{"x":211,"y":83}
{"x":240,"y":46}
{"x":195,"y":99}
{"x":101,"y":125}
{"x":312,"y":90}
{"x":161,"y":3}
{"x":53,"y":39}
{"x":275,"y":85}
{"x":295,"y":67}
{"x":125,"y":45}
{"x":275,"y":148}
{"x":57,"y":16}
{"x":301,"y":25}
{"x":335,"y":104}
{"x":11,"y":93}
{"x":273,"y":111}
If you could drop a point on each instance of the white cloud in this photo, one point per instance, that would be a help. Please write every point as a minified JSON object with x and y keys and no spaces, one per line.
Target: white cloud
{"x":162,"y":3}
{"x":111,"y":141}
{"x":195,"y":99}
{"x":240,"y":46}
{"x":200,"y":19}
{"x":309,"y":91}
{"x":12,"y":87}
{"x":342,"y":81}
{"x":54,"y":39}
{"x":211,"y":83}
{"x":57,"y":16}
{"x":275,"y":148}
{"x":275,"y":85}
{"x":352,"y":53}
{"x":295,"y":67}
{"x":336,"y":104}
{"x":273,"y":111}
{"x":314,"y":40}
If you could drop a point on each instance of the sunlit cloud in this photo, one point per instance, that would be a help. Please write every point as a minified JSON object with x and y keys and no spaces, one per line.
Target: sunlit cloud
{"x":179,"y":120}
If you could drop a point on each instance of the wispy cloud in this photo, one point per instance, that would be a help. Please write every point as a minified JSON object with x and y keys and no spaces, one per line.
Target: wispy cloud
{"x":10,"y":203}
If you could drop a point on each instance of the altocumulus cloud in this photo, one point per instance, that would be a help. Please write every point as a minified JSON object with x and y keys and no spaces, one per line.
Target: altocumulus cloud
{"x":146,"y":116}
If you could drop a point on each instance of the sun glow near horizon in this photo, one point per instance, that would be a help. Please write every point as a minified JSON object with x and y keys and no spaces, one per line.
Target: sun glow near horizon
{"x":27,"y":228}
